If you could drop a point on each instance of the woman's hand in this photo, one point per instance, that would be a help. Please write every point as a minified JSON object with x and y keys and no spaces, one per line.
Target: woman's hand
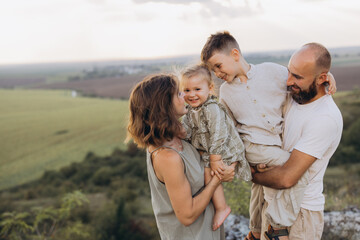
{"x":217,"y":167}
{"x":228,"y":173}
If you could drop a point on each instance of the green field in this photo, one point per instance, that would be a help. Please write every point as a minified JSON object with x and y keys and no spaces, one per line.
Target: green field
{"x":42,"y":130}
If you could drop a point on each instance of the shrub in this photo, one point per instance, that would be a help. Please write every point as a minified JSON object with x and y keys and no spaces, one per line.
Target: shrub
{"x":102,"y":177}
{"x":51,"y":176}
{"x":115,"y":222}
{"x":44,"y":222}
{"x":237,"y":195}
{"x":69,"y":171}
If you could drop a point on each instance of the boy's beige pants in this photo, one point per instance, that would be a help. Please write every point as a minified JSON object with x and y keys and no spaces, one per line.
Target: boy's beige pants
{"x":308,"y":225}
{"x":284,"y":208}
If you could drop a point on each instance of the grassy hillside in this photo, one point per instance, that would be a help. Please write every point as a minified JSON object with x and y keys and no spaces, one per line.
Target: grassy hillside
{"x":42,"y":130}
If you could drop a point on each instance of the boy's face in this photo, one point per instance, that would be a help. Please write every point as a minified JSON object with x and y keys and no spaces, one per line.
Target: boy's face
{"x":196,"y":89}
{"x":224,"y":66}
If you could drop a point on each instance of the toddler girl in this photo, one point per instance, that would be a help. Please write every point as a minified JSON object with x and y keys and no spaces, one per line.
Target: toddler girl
{"x":211,"y":131}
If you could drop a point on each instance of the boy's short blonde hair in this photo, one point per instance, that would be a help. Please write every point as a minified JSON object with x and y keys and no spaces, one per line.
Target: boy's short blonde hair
{"x":220,"y":42}
{"x":199,"y":69}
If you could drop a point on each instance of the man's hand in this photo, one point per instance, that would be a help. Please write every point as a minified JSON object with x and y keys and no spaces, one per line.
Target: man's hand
{"x":259,"y":168}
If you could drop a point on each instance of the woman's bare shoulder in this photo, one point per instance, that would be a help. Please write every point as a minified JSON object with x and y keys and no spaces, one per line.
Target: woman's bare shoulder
{"x":168,"y":164}
{"x":166,"y":155}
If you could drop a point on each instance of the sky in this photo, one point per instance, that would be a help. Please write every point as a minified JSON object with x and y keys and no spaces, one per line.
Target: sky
{"x":39,"y":31}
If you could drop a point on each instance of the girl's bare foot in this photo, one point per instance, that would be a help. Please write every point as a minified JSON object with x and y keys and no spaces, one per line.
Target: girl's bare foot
{"x":220,"y":217}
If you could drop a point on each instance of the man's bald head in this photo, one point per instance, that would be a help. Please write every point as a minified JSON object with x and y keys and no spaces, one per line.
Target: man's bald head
{"x":308,"y":68}
{"x":320,"y":55}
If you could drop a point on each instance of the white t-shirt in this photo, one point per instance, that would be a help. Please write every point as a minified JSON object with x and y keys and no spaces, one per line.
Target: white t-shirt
{"x":315,"y":129}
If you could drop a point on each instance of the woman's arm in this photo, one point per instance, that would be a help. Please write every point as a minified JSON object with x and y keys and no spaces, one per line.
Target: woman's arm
{"x":169,"y":168}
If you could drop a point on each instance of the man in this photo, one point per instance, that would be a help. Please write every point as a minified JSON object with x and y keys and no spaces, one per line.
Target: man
{"x":312,"y":132}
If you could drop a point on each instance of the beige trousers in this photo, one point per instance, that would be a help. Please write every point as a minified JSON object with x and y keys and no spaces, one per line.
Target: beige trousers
{"x":285,"y":206}
{"x":308,"y":225}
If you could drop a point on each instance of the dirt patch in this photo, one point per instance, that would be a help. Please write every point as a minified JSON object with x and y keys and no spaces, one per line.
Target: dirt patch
{"x":105,"y":87}
{"x":347,"y":77}
{"x":17,"y":82}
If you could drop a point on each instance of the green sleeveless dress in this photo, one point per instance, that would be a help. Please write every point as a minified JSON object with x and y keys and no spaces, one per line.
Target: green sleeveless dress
{"x":168,"y":225}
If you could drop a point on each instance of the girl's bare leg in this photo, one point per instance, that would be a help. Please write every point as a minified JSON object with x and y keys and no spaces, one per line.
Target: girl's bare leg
{"x":222,"y":210}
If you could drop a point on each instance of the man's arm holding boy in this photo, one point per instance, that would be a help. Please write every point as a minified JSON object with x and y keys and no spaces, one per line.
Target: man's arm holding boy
{"x":287,"y":175}
{"x":312,"y":145}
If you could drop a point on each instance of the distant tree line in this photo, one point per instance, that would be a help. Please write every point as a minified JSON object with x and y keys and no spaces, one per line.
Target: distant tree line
{"x":114,"y":71}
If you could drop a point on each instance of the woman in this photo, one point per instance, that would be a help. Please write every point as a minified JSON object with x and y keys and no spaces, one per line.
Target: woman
{"x":180,"y":201}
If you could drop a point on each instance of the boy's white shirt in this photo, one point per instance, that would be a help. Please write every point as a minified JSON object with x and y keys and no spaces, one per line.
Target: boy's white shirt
{"x":257,"y":104}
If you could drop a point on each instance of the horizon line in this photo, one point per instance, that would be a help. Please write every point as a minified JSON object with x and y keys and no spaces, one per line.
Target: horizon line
{"x":99,"y":60}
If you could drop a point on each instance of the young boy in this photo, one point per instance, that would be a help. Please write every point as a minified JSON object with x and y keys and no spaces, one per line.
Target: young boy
{"x":255,"y":95}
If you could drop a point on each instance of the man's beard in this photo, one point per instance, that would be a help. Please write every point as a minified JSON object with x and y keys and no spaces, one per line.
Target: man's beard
{"x":303,"y":96}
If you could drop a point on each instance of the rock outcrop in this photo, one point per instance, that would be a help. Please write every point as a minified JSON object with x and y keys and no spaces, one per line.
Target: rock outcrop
{"x":337,"y":225}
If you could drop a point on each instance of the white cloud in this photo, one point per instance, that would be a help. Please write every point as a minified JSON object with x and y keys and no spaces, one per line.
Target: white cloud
{"x":170,"y":1}
{"x":216,"y":9}
{"x":40,"y":30}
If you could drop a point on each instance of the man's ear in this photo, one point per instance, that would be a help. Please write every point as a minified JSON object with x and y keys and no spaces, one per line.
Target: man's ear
{"x":235,"y":54}
{"x":322,"y":78}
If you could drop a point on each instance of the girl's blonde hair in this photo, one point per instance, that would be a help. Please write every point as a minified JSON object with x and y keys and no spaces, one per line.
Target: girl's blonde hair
{"x":153,"y":118}
{"x":198,"y":69}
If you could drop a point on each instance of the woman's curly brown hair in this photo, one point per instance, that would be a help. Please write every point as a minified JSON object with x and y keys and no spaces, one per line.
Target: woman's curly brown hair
{"x":152,"y":116}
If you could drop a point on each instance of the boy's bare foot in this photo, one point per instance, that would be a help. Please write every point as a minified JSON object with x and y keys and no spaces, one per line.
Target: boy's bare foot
{"x":220,"y":217}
